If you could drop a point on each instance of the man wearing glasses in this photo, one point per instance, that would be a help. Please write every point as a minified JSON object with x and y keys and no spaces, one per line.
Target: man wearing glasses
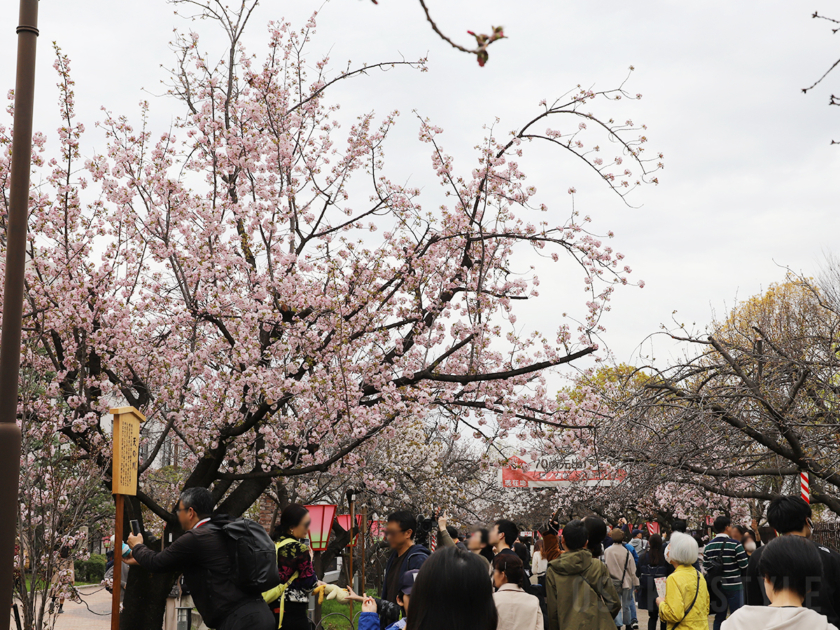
{"x":406,"y":555}
{"x":201,"y":554}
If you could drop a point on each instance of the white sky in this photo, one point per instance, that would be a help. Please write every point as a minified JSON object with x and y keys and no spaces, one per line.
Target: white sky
{"x":750,"y":182}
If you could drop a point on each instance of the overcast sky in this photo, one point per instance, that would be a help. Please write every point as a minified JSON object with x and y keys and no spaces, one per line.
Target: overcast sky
{"x":750,"y":183}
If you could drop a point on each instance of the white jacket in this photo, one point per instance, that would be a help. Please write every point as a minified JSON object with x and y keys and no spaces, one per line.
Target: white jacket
{"x":538,"y":564}
{"x":769,"y":618}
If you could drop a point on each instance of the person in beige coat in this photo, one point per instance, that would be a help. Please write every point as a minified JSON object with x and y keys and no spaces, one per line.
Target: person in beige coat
{"x":518,"y":609}
{"x":622,"y":569}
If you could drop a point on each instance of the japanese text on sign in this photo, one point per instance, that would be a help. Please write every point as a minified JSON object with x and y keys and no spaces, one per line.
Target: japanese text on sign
{"x":126,"y":432}
{"x":514,"y":476}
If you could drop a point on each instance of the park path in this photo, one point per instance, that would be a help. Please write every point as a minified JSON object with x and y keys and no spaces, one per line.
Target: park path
{"x":93,"y":614}
{"x":96,"y":615}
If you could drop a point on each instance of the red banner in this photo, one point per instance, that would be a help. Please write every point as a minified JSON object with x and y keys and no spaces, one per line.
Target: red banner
{"x":653,"y":528}
{"x":514,"y":476}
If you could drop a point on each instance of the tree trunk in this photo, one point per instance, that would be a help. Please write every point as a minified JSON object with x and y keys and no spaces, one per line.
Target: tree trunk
{"x":145,"y":593}
{"x":145,"y":599}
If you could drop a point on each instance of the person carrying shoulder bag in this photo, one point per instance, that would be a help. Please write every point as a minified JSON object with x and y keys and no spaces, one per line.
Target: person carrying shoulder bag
{"x":686,"y":602}
{"x":622,"y":568}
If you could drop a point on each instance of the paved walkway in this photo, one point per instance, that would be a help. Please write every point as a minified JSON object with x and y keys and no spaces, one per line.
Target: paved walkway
{"x":96,"y":615}
{"x":643,"y":619}
{"x":93,"y":614}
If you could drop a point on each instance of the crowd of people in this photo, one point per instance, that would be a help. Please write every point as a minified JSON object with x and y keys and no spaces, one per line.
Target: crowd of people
{"x":581,"y":575}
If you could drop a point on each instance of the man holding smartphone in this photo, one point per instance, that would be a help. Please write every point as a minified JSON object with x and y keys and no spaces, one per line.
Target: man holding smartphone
{"x":201,"y":554}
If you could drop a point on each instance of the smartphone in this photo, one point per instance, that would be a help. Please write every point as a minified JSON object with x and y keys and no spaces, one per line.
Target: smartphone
{"x":135,"y":527}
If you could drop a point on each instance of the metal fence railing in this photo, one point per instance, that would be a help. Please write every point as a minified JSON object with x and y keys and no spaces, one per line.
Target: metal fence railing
{"x":827,"y":535}
{"x":337,"y":621}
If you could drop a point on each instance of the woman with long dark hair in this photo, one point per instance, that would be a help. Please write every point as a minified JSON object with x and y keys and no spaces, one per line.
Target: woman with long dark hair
{"x":290,"y":600}
{"x":517,"y":609}
{"x":652,"y":565}
{"x":452,"y":592}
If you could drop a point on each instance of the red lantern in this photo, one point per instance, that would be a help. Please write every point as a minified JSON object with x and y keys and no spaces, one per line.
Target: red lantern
{"x":344,"y":521}
{"x":319,"y":530}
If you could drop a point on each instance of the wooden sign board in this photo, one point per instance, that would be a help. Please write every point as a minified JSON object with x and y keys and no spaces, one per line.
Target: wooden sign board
{"x":126,"y":433}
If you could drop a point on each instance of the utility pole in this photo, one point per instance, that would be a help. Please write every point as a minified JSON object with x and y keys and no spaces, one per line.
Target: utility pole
{"x":16,"y":221}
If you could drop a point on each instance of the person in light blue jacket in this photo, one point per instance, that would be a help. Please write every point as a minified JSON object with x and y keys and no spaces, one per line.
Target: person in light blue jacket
{"x":369,"y":620}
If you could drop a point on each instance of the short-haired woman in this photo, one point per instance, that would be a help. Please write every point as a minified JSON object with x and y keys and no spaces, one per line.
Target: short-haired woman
{"x":790,"y":566}
{"x":686,"y":601}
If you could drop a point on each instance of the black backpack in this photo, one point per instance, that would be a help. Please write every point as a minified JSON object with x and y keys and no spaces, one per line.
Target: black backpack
{"x":253,"y":556}
{"x":714,"y":577}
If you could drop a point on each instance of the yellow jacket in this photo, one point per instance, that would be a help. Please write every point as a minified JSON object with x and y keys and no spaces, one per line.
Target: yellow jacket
{"x":680,"y":588}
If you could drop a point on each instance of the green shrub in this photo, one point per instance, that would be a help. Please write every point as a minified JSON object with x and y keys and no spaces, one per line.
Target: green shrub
{"x":91,"y":570}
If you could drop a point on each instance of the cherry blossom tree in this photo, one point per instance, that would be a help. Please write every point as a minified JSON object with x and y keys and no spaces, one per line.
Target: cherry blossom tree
{"x":60,"y":498}
{"x":732,"y":424}
{"x":253,"y":281}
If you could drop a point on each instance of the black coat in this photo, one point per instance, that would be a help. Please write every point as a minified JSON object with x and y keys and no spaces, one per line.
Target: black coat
{"x":647,"y":573}
{"x":201,"y":554}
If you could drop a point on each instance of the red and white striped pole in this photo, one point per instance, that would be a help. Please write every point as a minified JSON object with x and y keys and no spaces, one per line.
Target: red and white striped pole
{"x":805,"y":486}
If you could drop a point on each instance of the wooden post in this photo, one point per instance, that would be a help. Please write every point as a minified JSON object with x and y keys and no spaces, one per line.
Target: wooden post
{"x":115,"y":602}
{"x":318,"y":566}
{"x":363,"y":535}
{"x":126,"y":451}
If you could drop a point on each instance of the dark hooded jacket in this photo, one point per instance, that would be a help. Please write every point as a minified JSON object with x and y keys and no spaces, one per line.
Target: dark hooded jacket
{"x":580,"y":593}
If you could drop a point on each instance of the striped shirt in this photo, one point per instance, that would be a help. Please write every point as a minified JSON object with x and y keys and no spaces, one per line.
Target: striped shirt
{"x":730,"y":553}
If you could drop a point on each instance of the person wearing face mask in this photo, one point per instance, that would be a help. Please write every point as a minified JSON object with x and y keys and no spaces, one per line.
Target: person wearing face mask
{"x":791,"y":516}
{"x":748,"y":542}
{"x":746,"y":534}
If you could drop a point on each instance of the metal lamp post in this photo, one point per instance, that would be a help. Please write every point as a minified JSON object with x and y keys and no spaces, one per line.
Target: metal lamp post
{"x":16,"y":221}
